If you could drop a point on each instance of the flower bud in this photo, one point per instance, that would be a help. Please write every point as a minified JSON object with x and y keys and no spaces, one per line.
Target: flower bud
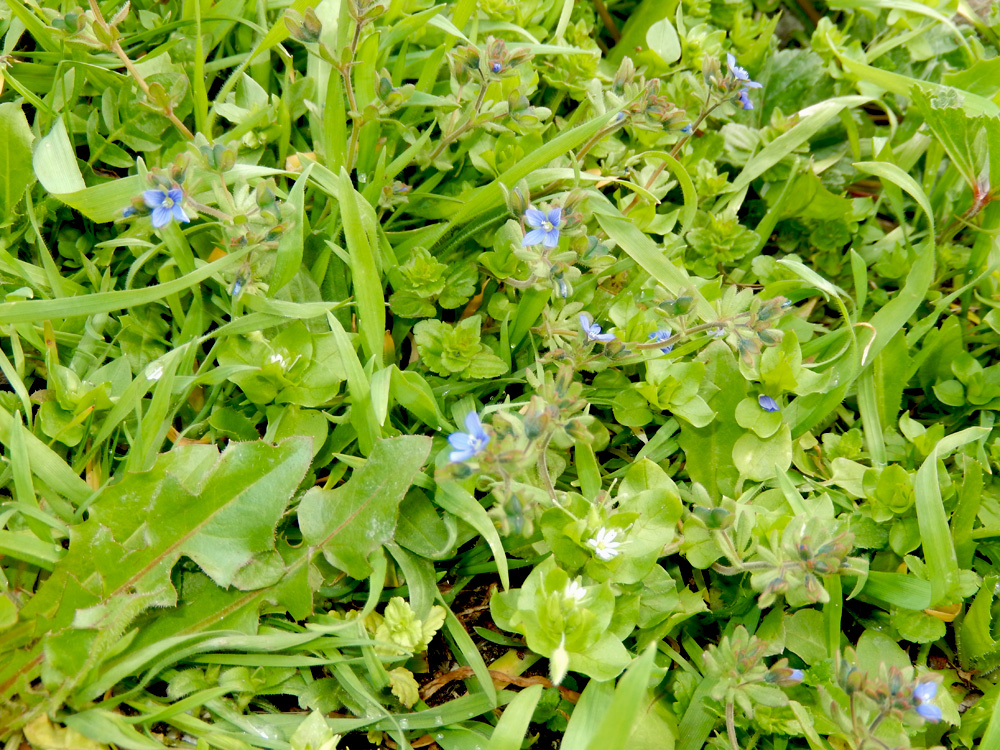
{"x":624,"y":76}
{"x":518,"y":198}
{"x":559,"y":663}
{"x":305,"y":29}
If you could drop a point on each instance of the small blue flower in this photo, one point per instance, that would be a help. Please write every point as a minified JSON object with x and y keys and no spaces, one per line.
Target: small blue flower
{"x":662,"y":335}
{"x":496,"y":67}
{"x":796,"y":675}
{"x":593,"y":331}
{"x":924,"y":693}
{"x":546,"y":227}
{"x":130,"y":211}
{"x":166,"y":205}
{"x":767,"y":403}
{"x":930,"y":712}
{"x":470,"y":443}
{"x":686,"y":130}
{"x":740,"y":74}
{"x":744,"y":99}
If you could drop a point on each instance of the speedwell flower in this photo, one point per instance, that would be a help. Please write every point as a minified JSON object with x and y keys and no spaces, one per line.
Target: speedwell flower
{"x":470,"y":443}
{"x":744,"y":99}
{"x":546,"y":227}
{"x":662,"y":335}
{"x":924,"y":693}
{"x":767,"y":403}
{"x":604,"y":545}
{"x":166,"y":205}
{"x":739,"y":73}
{"x":593,"y":331}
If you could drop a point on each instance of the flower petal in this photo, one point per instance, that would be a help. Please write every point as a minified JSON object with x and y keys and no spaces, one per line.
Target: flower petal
{"x":534,"y":217}
{"x":925,"y":691}
{"x":161,"y":217}
{"x":460,"y":441}
{"x":551,"y":238}
{"x":534,"y":237}
{"x":179,"y":214}
{"x":555,"y":216}
{"x":176,"y":195}
{"x":153,"y":198}
{"x":930,"y":712}
{"x":767,"y":403}
{"x":473,"y":424}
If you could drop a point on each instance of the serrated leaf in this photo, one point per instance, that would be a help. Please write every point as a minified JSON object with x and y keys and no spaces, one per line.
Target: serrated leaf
{"x":352,"y":521}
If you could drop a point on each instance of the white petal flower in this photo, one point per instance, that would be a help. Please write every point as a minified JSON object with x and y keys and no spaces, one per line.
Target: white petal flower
{"x":604,"y":545}
{"x":574,"y":591}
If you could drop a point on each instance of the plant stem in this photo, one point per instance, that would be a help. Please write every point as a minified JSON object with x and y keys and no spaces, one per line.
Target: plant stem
{"x":467,"y":125}
{"x":705,"y":112}
{"x":731,"y":725}
{"x":116,"y":48}
{"x":356,"y":123}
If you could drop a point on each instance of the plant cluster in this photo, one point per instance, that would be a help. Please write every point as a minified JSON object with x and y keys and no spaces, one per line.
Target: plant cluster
{"x":490,"y":374}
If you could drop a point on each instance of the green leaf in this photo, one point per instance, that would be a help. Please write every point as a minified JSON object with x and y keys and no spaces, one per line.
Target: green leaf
{"x":55,"y":162}
{"x":15,"y":156}
{"x":662,"y":39}
{"x":218,"y":510}
{"x":709,"y":449}
{"x":365,"y":272}
{"x":455,"y":499}
{"x":288,"y":258}
{"x":349,"y":523}
{"x":804,"y":636}
{"x":513,"y":724}
{"x":761,"y":459}
{"x":935,"y":534}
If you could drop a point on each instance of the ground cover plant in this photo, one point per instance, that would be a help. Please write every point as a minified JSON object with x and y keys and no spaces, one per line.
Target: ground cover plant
{"x":482,"y":375}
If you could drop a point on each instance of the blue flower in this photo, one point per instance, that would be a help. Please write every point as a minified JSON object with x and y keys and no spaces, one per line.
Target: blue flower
{"x":686,"y":130}
{"x":130,"y":211}
{"x":470,"y":443}
{"x":662,"y":335}
{"x":496,"y":67}
{"x":744,"y":99}
{"x":924,"y":693}
{"x":796,"y":675}
{"x":546,"y":227}
{"x":166,"y":205}
{"x":593,"y":331}
{"x":740,"y":74}
{"x":767,"y":403}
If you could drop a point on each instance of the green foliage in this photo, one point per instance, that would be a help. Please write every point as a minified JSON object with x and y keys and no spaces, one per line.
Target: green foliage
{"x":614,"y":374}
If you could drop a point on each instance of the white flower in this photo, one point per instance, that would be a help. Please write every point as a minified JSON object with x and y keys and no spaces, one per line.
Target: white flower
{"x":154,"y":371}
{"x":574,"y":592}
{"x":604,"y":545}
{"x":276,"y":359}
